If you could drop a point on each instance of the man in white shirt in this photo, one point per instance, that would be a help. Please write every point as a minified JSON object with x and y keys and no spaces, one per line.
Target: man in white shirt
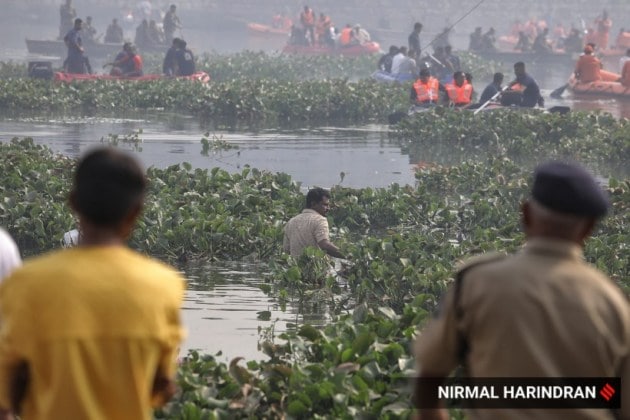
{"x":310,"y":228}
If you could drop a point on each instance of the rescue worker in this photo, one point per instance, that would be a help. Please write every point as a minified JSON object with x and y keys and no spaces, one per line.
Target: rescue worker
{"x":541,"y":313}
{"x":425,"y":90}
{"x":169,"y":65}
{"x":76,"y":62}
{"x":345,"y":37}
{"x":492,"y":89}
{"x":322,"y":29}
{"x":603,"y":25}
{"x":184,"y":59}
{"x":413,"y":40}
{"x":114,"y":33}
{"x":459,"y":91}
{"x":170,"y":24}
{"x":89,"y":31}
{"x":625,"y":71}
{"x":530,"y":92}
{"x":385,"y":62}
{"x":67,"y":14}
{"x":307,"y":18}
{"x":128,"y":62}
{"x":588,"y":67}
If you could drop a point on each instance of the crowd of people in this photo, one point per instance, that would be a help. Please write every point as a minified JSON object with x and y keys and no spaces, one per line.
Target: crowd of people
{"x":179,"y":59}
{"x":321,"y":31}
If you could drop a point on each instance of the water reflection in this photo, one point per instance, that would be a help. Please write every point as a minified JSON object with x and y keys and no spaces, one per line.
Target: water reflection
{"x":222,"y":307}
{"x":312,"y":157}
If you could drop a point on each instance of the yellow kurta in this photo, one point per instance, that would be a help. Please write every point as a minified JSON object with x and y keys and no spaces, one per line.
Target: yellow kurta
{"x":93,"y":325}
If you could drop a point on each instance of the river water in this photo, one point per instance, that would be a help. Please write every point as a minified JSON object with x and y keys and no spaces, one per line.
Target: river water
{"x":224,"y":301}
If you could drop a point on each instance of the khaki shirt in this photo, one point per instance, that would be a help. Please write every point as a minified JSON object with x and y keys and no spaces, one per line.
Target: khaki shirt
{"x":543,"y":312}
{"x":306,"y":229}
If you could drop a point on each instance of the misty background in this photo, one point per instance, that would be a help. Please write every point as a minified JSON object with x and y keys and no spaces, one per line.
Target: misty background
{"x":220,"y":25}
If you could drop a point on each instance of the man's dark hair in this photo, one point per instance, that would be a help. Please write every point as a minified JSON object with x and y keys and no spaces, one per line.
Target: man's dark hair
{"x":316,"y":195}
{"x":497,"y":78}
{"x":519,"y":64}
{"x":108,"y":184}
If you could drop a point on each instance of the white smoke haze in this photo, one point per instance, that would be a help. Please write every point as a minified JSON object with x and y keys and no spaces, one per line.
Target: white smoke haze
{"x":220,"y":25}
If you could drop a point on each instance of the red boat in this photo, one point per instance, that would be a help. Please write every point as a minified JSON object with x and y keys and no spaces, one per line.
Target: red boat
{"x":59,"y":76}
{"x":599,"y":88}
{"x":351,"y":51}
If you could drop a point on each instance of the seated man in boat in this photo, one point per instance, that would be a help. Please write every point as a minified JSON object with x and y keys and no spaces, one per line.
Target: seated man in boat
{"x":589,"y":68}
{"x":184,"y":59}
{"x":492,"y":89}
{"x":89,"y":31}
{"x":459,"y":91}
{"x":625,"y":72}
{"x":114,"y":33}
{"x":359,"y":35}
{"x":127,"y":63}
{"x":403,"y":66}
{"x":169,"y":66}
{"x":530,"y":92}
{"x":426,"y":90}
{"x":385,"y":62}
{"x":541,"y":44}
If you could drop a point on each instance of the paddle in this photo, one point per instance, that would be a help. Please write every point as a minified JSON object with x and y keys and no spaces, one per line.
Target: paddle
{"x":557,"y":93}
{"x":495,"y":96}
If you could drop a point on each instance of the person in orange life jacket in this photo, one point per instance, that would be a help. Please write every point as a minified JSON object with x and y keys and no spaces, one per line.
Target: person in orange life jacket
{"x":459,"y":92}
{"x":345,"y":37}
{"x":134,"y":68}
{"x":123,"y":63}
{"x":588,"y":67}
{"x":307,"y":17}
{"x":425,"y":90}
{"x":322,"y":28}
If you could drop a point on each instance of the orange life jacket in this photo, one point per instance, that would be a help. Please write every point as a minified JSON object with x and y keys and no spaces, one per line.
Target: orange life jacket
{"x":459,"y":95}
{"x":427,"y":92}
{"x":322,"y":26}
{"x":307,"y":18}
{"x":588,"y":68}
{"x":346,"y":36}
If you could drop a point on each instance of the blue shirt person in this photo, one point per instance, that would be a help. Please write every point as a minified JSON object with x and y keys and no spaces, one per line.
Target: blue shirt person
{"x":76,"y":61}
{"x":531,"y":91}
{"x":492,"y":89}
{"x":184,"y":59}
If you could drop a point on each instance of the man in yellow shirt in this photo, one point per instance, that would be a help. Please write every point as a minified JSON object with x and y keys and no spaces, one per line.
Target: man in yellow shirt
{"x":92,"y":332}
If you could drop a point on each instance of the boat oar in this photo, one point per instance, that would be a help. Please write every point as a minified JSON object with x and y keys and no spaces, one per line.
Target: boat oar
{"x":495,"y":96}
{"x":557,"y":93}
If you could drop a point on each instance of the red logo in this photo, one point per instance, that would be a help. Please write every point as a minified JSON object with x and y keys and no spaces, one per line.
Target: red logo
{"x":607,"y":392}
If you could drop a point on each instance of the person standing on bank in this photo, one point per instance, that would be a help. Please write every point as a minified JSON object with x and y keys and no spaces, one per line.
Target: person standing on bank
{"x":543,"y":312}
{"x":92,"y":332}
{"x":310,"y":228}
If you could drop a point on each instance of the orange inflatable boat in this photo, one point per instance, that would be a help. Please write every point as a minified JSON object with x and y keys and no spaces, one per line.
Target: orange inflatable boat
{"x":600,"y":87}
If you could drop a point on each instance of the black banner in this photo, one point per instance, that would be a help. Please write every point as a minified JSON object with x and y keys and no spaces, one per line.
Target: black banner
{"x":604,"y":393}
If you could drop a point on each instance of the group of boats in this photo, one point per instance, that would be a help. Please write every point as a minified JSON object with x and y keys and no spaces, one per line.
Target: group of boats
{"x":56,"y":48}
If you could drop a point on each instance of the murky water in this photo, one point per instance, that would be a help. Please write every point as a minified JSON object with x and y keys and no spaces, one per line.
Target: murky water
{"x":224,"y":301}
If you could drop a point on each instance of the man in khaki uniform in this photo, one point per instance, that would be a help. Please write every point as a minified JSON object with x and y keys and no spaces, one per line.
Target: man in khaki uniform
{"x":310,"y":228}
{"x":543,"y":312}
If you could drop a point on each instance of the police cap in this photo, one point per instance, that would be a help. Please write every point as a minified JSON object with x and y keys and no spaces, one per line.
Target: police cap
{"x":569,"y":188}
